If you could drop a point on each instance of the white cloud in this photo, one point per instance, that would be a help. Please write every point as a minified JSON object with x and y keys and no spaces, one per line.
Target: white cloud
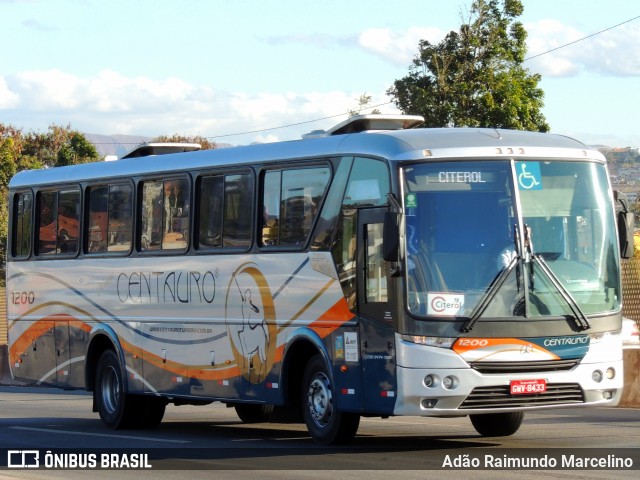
{"x":398,"y":48}
{"x":110,"y":103}
{"x":609,"y":53}
{"x":8,"y":99}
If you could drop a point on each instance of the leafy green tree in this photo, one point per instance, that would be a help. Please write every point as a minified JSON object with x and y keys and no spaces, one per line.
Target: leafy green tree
{"x":474,"y":77}
{"x":59,"y":146}
{"x":175,"y":138}
{"x":76,"y":150}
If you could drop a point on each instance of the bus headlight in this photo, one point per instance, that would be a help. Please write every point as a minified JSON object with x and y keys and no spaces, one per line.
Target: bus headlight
{"x":442,"y":342}
{"x":596,"y":376}
{"x":610,"y":373}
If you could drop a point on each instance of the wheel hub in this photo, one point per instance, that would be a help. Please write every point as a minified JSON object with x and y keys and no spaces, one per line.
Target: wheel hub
{"x":320,"y":400}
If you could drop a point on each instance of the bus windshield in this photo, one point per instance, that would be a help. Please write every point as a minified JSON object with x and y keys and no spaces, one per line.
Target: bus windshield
{"x":509,"y":239}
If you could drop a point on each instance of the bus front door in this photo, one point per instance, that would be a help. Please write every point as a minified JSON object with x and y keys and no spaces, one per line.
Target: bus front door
{"x":376,"y":313}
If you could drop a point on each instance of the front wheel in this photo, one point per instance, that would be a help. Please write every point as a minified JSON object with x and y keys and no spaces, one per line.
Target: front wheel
{"x":497,"y":424}
{"x":325,"y":423}
{"x":118,"y":409}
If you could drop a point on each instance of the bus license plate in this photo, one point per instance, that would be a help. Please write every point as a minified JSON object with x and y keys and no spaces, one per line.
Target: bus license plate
{"x":523,"y":387}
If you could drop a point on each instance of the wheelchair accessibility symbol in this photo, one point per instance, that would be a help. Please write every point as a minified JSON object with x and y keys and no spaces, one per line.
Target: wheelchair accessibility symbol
{"x":529,"y":176}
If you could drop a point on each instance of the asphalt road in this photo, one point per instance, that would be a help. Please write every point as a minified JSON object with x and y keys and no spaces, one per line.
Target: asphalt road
{"x":210,"y":442}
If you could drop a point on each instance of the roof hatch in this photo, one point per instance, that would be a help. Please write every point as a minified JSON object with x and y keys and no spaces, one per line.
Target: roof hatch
{"x":148,"y":149}
{"x":362,"y":123}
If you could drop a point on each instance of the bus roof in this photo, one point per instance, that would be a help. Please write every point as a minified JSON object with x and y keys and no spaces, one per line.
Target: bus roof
{"x":394,"y":145}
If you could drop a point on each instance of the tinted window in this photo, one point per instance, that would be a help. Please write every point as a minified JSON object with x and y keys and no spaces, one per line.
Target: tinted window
{"x":225,"y":214}
{"x":368,"y":183}
{"x":22,"y":228}
{"x":165,"y":215}
{"x":110,"y":219}
{"x":290,"y":203}
{"x":58,"y":222}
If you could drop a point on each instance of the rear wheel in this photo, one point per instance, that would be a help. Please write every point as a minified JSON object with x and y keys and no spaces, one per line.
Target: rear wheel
{"x":118,"y":409}
{"x":252,"y":413}
{"x":497,"y":424}
{"x":325,"y":423}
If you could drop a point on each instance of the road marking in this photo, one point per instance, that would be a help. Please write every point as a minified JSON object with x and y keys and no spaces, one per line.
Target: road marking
{"x":71,"y":432}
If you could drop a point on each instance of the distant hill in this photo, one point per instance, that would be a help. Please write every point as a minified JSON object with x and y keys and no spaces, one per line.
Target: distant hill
{"x":120,"y":144}
{"x":115,"y":144}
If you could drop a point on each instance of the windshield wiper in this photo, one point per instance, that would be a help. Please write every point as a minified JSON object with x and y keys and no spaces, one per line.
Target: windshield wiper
{"x":529,"y":258}
{"x":579,"y":317}
{"x":490,"y":294}
{"x":496,"y":285}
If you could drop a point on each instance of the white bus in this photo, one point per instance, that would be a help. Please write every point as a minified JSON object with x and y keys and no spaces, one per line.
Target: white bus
{"x":373,"y":270}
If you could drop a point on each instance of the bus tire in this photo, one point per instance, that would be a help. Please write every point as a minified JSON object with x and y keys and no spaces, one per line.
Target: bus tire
{"x":116,"y":408}
{"x":497,"y":424}
{"x":252,"y":413}
{"x":149,"y":411}
{"x":325,"y":423}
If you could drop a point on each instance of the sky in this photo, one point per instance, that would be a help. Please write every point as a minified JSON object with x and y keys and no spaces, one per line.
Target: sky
{"x":243,"y":71}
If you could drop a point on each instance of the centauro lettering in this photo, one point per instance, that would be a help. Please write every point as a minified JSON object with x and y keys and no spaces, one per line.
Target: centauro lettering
{"x":166,"y":287}
{"x":558,"y":342}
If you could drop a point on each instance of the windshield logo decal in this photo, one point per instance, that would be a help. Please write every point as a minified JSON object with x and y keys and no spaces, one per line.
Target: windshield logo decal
{"x":445,"y":304}
{"x":529,"y":176}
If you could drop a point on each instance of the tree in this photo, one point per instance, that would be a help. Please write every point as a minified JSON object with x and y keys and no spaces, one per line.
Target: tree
{"x":363,"y":102}
{"x":175,"y":138}
{"x":76,"y":150}
{"x":59,"y":146}
{"x":474,"y":77}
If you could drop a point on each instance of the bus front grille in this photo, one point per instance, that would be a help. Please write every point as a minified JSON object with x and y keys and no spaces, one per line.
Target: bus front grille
{"x":525,"y":367}
{"x":500,"y":397}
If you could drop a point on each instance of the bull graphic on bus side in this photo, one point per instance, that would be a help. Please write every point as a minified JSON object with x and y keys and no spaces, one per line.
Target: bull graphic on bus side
{"x":249,"y":308}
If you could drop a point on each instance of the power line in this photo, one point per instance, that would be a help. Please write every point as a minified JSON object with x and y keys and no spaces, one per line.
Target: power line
{"x":581,"y":39}
{"x":387,"y":103}
{"x":293,"y":124}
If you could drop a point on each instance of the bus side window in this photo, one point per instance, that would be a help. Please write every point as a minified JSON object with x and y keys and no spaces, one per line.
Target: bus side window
{"x":165,"y":215}
{"x":368,"y":185}
{"x":98,"y":211}
{"x":290,"y":204}
{"x":68,"y":220}
{"x":47,"y":224}
{"x":23,"y":226}
{"x":238,"y":202}
{"x":120,"y":218}
{"x":110,"y":222}
{"x":210,"y":211}
{"x":224,"y":216}
{"x":58,"y":222}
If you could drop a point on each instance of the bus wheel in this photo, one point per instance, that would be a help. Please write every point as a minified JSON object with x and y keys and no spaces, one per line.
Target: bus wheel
{"x":497,"y":424}
{"x":252,"y":413}
{"x":325,"y":423}
{"x":109,"y":391}
{"x":118,"y":409}
{"x":149,"y":411}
